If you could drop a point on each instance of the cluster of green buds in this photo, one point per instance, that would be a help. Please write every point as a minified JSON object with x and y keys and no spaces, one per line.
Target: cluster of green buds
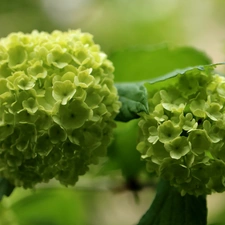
{"x":182,"y":138}
{"x":57,"y":106}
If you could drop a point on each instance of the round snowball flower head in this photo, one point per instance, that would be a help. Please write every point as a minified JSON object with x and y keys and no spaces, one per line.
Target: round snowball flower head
{"x":182,"y":138}
{"x":57,"y":106}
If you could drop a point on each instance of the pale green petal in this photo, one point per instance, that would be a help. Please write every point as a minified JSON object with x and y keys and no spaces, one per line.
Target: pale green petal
{"x":17,"y":57}
{"x":58,"y":57}
{"x":63,"y":91}
{"x":199,"y":140}
{"x":197,"y":107}
{"x":188,"y":122}
{"x":213,"y":111}
{"x":74,"y":115}
{"x":168,"y":132}
{"x":214,"y":132}
{"x":30,"y":105}
{"x":178,"y":147}
{"x":37,"y":70}
{"x":84,"y":79}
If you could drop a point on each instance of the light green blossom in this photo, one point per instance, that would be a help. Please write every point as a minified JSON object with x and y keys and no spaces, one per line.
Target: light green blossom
{"x":168,"y":132}
{"x":57,"y":105}
{"x":178,"y":147}
{"x":188,"y":122}
{"x":199,"y":141}
{"x":182,"y":138}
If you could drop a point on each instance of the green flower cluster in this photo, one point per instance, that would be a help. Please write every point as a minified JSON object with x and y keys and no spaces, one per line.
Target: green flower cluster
{"x":57,"y":105}
{"x":182,"y":139}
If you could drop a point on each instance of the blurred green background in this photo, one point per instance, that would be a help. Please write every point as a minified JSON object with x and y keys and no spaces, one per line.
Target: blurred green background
{"x":116,"y":25}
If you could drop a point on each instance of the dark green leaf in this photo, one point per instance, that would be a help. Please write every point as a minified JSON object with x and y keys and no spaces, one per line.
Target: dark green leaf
{"x":170,"y":208}
{"x":6,"y":188}
{"x":146,"y":62}
{"x":133,"y":97}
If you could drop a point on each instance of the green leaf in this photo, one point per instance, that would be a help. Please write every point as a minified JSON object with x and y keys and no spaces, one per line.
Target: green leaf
{"x":6,"y":188}
{"x":217,"y":224}
{"x":140,"y":63}
{"x":170,"y":78}
{"x":134,"y":100}
{"x":170,"y":208}
{"x":122,"y":152}
{"x":55,"y":206}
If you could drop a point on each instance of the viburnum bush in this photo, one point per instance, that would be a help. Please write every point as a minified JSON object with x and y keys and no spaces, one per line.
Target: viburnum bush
{"x":163,"y":116}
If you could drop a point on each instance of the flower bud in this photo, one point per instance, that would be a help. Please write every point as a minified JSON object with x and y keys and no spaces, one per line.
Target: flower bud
{"x":57,"y":105}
